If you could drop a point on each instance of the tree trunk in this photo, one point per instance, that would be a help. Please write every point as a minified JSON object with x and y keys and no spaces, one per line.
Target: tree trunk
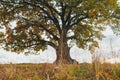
{"x":63,"y":51}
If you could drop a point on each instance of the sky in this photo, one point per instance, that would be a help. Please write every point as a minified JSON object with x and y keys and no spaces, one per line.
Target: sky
{"x":80,"y":55}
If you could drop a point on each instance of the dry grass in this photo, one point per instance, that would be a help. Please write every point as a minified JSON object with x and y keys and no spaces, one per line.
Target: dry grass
{"x":58,"y":72}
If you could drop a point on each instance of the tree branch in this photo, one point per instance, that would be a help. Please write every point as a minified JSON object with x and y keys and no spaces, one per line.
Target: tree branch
{"x":71,"y":37}
{"x":76,"y":22}
{"x":52,"y":16}
{"x":30,"y":43}
{"x":67,"y":21}
{"x":63,"y":12}
{"x":50,"y":32}
{"x":45,"y":42}
{"x":41,"y":26}
{"x":55,"y":20}
{"x":50,"y":7}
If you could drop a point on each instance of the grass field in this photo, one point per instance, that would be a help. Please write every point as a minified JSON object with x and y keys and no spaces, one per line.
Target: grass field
{"x":60,"y":72}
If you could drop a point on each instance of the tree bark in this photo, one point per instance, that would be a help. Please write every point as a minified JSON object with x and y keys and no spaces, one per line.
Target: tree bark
{"x":63,"y":51}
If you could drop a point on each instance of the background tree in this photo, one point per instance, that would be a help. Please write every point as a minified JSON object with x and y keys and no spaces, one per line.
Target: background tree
{"x":57,"y":23}
{"x":116,"y":20}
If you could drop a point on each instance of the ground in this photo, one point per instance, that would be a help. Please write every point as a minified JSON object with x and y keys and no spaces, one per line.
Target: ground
{"x":59,"y":72}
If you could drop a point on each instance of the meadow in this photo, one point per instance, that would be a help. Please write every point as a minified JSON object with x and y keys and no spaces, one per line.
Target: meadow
{"x":82,"y":71}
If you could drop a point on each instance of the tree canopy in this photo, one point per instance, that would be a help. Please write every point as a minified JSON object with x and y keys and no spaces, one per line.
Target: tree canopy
{"x":55,"y":22}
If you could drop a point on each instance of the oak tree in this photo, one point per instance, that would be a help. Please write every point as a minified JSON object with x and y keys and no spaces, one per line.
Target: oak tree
{"x":57,"y":23}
